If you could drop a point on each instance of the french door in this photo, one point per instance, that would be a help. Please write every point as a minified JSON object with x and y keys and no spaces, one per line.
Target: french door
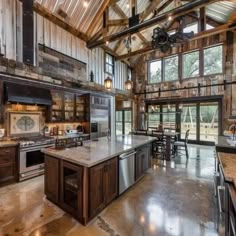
{"x":202,"y":119}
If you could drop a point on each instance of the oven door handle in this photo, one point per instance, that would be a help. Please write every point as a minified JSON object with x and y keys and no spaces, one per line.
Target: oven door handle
{"x":35,"y":148}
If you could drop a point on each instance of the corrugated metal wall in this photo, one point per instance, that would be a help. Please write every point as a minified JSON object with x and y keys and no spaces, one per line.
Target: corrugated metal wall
{"x":54,"y":37}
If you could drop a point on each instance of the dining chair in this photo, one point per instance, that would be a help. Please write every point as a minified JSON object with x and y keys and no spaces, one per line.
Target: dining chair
{"x":158,"y":146}
{"x":179,"y":146}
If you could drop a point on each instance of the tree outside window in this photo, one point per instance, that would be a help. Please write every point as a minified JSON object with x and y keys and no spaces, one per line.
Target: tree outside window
{"x":213,"y":60}
{"x":191,"y":64}
{"x":155,"y":72}
{"x":171,"y":68}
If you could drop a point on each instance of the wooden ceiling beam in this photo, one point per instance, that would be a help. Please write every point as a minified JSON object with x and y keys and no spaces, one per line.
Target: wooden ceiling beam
{"x":180,"y":11}
{"x":204,"y":34}
{"x":39,"y":9}
{"x":142,"y":38}
{"x":119,"y":22}
{"x":151,"y":7}
{"x":97,"y":16}
{"x":118,"y":11}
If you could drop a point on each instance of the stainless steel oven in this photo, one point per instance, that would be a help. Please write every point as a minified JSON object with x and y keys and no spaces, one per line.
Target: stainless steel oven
{"x":31,"y":161}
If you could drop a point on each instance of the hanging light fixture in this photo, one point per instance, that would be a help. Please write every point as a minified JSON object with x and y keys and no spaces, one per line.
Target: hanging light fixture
{"x":108,"y":83}
{"x":128,"y":84}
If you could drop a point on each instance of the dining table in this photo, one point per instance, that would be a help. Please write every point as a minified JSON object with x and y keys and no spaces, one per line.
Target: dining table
{"x":168,"y":136}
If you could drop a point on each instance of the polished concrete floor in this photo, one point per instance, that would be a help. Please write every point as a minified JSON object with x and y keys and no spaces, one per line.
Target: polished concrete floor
{"x":173,"y":199}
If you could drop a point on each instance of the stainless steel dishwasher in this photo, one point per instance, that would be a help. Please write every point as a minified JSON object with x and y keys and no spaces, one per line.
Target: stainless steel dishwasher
{"x":126,"y":170}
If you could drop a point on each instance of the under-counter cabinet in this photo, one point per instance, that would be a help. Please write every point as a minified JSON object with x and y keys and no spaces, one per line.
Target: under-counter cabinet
{"x":83,"y":192}
{"x":231,"y":211}
{"x":8,"y":165}
{"x":71,"y":189}
{"x":102,"y":185}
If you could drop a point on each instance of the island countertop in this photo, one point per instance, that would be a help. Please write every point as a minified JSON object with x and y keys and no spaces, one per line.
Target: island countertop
{"x":95,"y":152}
{"x":228,"y":163}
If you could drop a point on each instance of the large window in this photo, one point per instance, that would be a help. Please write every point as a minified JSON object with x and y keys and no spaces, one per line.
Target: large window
{"x":109,"y":64}
{"x":213,"y":60}
{"x":153,"y":116}
{"x":171,"y":68}
{"x":191,"y":64}
{"x":167,"y":68}
{"x":155,"y":71}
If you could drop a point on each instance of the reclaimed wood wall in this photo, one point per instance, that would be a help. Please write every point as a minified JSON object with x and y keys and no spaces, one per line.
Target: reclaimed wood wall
{"x":52,"y":36}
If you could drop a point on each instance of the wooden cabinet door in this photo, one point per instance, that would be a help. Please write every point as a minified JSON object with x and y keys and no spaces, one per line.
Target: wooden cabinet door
{"x":51,"y":178}
{"x":110,"y":180}
{"x":71,"y":193}
{"x":96,"y":189}
{"x":8,"y":164}
{"x":7,"y":172}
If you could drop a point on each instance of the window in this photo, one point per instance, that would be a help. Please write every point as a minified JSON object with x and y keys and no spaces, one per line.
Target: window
{"x":192,"y":27}
{"x":213,"y":60}
{"x":155,"y":72}
{"x":153,"y":116}
{"x":171,"y":68}
{"x":128,"y":122}
{"x":123,"y":122}
{"x":191,"y":64}
{"x":109,"y":64}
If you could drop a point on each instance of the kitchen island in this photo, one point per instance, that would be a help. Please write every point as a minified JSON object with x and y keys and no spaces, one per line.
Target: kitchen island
{"x":84,"y":180}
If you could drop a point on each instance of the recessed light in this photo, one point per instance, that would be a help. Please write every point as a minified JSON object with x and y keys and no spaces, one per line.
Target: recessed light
{"x":107,"y":42}
{"x":85,"y":4}
{"x":127,"y":5}
{"x":169,"y":18}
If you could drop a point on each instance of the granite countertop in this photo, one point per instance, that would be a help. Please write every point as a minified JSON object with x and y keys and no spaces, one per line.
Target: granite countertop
{"x":70,"y":136}
{"x":225,"y":141}
{"x":95,"y":152}
{"x":228,"y":163}
{"x":8,"y":143}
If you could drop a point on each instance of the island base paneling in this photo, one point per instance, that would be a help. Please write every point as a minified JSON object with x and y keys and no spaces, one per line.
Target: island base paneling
{"x":82,"y":192}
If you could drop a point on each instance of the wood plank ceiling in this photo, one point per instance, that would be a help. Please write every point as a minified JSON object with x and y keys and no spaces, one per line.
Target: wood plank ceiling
{"x":88,"y":17}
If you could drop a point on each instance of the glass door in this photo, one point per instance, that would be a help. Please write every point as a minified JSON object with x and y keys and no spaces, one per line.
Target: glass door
{"x":209,"y":121}
{"x":123,"y":122}
{"x":119,"y":123}
{"x":127,"y":122}
{"x":189,"y":121}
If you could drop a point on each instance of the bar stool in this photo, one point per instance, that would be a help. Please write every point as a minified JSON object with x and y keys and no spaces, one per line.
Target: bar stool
{"x":178,"y":145}
{"x":158,"y":146}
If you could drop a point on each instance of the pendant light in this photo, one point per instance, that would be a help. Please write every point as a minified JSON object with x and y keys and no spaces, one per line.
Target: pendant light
{"x":108,"y":83}
{"x":128,"y":84}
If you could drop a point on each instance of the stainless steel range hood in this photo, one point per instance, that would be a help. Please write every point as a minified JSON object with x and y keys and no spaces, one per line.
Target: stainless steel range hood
{"x":18,"y":93}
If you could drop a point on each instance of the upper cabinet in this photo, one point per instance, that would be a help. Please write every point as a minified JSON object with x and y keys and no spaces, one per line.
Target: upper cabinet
{"x":69,"y":107}
{"x":56,"y":111}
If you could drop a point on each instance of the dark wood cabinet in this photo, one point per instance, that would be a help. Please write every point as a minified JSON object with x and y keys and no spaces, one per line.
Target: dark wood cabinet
{"x":68,"y":107}
{"x":51,"y":179}
{"x":142,"y":161}
{"x":103,"y":186}
{"x":71,"y":189}
{"x":231,"y":211}
{"x":96,"y":189}
{"x":8,"y":165}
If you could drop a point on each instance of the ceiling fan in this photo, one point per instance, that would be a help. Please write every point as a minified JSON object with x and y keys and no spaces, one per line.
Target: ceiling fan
{"x":162,"y":40}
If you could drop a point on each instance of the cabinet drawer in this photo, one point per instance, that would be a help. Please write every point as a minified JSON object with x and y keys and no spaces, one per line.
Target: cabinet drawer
{"x":7,"y":155}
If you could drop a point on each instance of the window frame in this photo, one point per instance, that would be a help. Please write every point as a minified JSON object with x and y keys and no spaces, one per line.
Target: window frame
{"x":149,"y":72}
{"x":223,"y":60}
{"x":191,"y":24}
{"x":107,"y":63}
{"x":163,"y":69}
{"x":199,"y":64}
